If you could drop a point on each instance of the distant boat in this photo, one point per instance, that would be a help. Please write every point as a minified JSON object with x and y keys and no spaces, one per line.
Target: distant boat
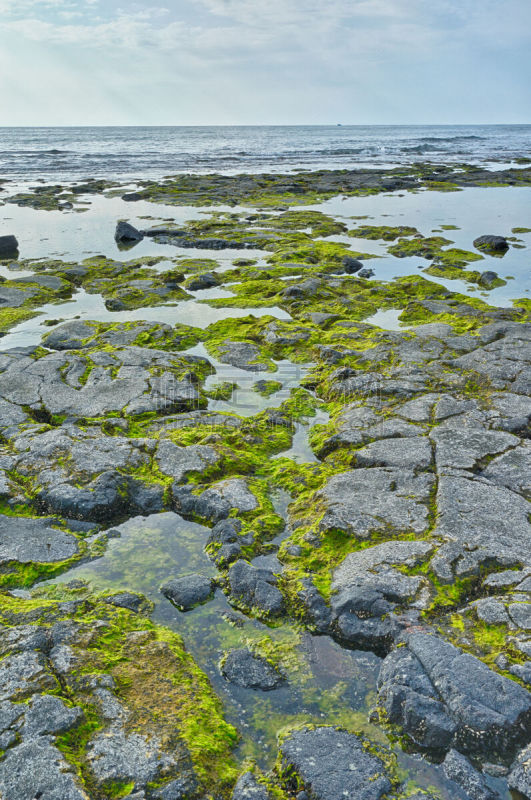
{"x":339,"y":124}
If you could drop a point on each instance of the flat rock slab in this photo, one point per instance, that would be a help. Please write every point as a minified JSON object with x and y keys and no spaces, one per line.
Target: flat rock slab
{"x":413,"y":452}
{"x":463,"y":448}
{"x":480,"y":523}
{"x":14,"y":298}
{"x":364,"y":501}
{"x":243,"y":355}
{"x":25,"y":540}
{"x":37,"y":769}
{"x":243,"y":668}
{"x":333,"y":764}
{"x":363,"y":565}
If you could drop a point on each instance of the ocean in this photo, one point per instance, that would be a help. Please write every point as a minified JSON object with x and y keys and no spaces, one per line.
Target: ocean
{"x":62,"y":154}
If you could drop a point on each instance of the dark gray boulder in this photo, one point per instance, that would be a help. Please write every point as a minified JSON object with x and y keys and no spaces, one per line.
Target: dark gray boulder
{"x":444,"y":698}
{"x":459,"y":769}
{"x":243,"y":668}
{"x":332,"y":764}
{"x":365,"y":273}
{"x":130,"y":600}
{"x":490,"y":242}
{"x":188,"y":591}
{"x":204,"y":281}
{"x":102,"y":499}
{"x":36,"y":768}
{"x":127,"y":233}
{"x":255,"y":588}
{"x":242,"y":355}
{"x":351,"y":264}
{"x":8,"y":246}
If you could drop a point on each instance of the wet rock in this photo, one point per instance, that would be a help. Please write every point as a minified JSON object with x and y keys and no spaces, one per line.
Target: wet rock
{"x":216,"y":502}
{"x":364,"y":501}
{"x":351,"y":264}
{"x":443,"y":697}
{"x":204,"y":281}
{"x":130,"y":600}
{"x":245,"y":669}
{"x":488,"y":278}
{"x":366,"y":273}
{"x":117,"y":756}
{"x":520,"y":774}
{"x":490,"y":242}
{"x":102,"y":499}
{"x":299,"y":291}
{"x":318,"y":613}
{"x":248,"y":788}
{"x":26,"y":540}
{"x":459,"y":769}
{"x":127,"y":233}
{"x":14,"y":298}
{"x":8,"y":246}
{"x":188,"y":591}
{"x":331,"y":763}
{"x":255,"y":588}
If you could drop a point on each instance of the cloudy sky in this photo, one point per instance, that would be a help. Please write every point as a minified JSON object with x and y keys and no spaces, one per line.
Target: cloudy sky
{"x":68,"y":62}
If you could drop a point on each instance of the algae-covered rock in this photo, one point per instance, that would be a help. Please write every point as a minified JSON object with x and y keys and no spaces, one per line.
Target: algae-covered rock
{"x":113,"y":701}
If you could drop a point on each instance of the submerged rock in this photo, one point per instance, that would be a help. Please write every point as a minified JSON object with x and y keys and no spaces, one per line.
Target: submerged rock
{"x":250,"y":671}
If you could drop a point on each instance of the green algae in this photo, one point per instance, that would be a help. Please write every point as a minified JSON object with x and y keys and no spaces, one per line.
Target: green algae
{"x":166,"y":694}
{"x":385,"y":232}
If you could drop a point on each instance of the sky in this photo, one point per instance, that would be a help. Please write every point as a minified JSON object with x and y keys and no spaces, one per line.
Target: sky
{"x":245,"y":62}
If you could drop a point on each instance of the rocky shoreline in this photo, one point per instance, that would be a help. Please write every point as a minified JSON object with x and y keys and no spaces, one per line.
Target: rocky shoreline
{"x":407,"y":528}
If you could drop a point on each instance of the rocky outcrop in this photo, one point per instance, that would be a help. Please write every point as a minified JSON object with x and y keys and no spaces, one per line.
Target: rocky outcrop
{"x":443,"y":698}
